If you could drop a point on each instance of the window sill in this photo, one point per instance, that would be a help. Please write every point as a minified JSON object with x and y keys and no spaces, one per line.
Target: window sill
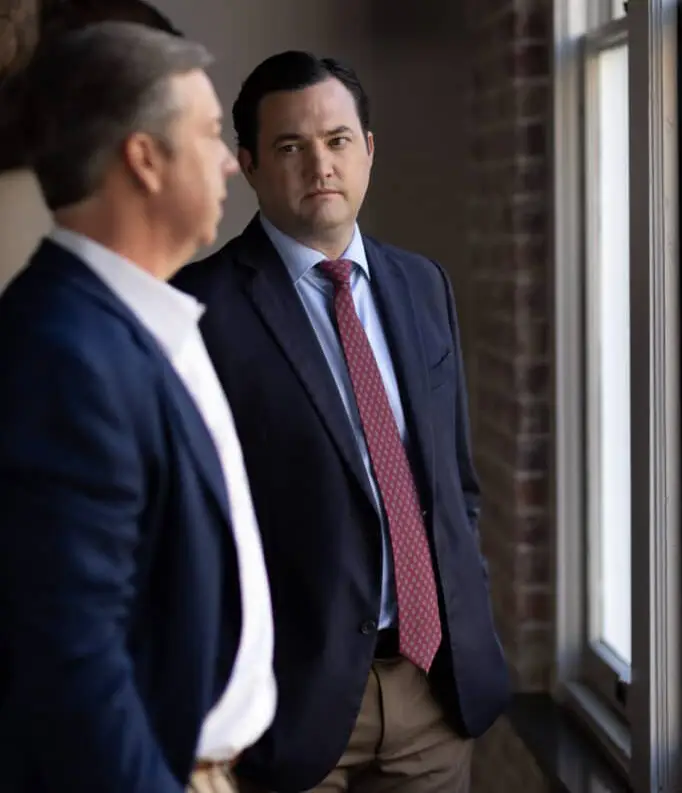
{"x":562,"y":749}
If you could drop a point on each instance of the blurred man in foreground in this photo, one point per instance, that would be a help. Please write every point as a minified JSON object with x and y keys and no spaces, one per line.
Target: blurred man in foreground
{"x":136,"y":651}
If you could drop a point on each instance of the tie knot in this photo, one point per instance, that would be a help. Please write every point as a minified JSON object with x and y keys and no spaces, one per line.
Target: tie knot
{"x":339,"y":271}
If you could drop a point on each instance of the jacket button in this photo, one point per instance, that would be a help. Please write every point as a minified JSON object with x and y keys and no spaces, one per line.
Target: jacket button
{"x":368,"y":627}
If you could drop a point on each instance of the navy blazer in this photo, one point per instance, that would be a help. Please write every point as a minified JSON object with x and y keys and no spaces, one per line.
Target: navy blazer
{"x":320,"y":528}
{"x":119,"y":594}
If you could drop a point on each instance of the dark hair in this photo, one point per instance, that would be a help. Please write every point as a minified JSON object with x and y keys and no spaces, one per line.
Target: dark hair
{"x":290,"y":71}
{"x":85,"y":91}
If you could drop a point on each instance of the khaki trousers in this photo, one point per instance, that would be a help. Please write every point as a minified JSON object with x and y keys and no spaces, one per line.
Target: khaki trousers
{"x":215,"y":779}
{"x":401,"y":742}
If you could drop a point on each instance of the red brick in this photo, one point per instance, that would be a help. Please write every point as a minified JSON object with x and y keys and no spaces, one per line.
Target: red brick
{"x":508,"y":217}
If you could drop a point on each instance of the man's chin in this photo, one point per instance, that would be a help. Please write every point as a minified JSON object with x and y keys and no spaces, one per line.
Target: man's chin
{"x":209,"y":236}
{"x":328,"y":219}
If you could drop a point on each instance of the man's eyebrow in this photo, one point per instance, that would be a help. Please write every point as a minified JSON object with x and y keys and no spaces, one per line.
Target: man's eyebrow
{"x":285,"y":136}
{"x":294,"y":136}
{"x":339,"y":130}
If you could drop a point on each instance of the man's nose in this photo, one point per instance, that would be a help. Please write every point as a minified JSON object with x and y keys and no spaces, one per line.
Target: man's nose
{"x":230,"y":164}
{"x":321,"y":163}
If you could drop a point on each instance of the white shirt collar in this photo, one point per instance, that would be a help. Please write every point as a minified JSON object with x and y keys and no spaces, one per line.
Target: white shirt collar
{"x":167,"y":313}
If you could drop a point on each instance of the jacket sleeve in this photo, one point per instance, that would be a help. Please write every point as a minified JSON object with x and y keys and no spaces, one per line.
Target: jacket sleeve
{"x":72,"y":494}
{"x":465,"y":462}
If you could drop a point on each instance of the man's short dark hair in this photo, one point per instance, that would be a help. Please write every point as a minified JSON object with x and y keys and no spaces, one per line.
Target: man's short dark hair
{"x":86,"y":91}
{"x":290,"y":71}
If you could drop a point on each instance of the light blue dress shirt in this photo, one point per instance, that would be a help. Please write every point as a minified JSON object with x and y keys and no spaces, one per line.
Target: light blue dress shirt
{"x":316,"y":292}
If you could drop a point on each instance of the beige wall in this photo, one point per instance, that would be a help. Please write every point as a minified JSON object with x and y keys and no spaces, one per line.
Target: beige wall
{"x":421,"y":167}
{"x":23,"y":220}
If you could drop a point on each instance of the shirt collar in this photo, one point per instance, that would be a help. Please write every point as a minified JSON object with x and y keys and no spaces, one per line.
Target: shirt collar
{"x":299,"y":259}
{"x":167,"y":313}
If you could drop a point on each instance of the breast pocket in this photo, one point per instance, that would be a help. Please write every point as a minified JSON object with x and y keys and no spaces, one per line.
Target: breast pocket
{"x":442,"y":371}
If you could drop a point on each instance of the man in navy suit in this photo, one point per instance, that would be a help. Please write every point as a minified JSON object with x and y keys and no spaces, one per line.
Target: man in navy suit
{"x":137,"y":640}
{"x":348,"y":393}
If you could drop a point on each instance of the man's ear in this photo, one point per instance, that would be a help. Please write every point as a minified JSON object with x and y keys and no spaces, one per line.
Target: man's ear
{"x":146,"y":160}
{"x":370,"y":146}
{"x":246,"y":164}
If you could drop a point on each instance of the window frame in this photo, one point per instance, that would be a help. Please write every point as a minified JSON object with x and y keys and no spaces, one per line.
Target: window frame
{"x":644,"y":737}
{"x":602,"y":670}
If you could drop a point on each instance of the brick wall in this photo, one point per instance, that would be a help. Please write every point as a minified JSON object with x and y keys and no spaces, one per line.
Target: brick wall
{"x":509,"y":264}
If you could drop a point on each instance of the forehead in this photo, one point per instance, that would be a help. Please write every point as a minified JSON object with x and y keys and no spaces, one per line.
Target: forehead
{"x":313,"y":110}
{"x":195,"y":95}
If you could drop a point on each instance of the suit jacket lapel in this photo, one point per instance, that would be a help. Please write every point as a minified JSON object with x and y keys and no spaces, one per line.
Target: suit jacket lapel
{"x":275,"y":298}
{"x":396,"y":306}
{"x":189,"y":419}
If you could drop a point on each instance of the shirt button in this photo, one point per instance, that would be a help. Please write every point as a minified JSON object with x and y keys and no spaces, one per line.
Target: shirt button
{"x":368,"y":627}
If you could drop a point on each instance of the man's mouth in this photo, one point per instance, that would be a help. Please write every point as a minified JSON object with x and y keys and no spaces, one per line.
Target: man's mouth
{"x":321,"y":193}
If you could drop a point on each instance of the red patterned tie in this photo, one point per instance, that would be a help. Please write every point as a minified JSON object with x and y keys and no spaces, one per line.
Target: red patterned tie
{"x":418,"y":618}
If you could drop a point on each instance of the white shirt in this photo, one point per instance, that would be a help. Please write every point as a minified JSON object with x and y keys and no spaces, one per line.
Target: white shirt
{"x":247,"y":707}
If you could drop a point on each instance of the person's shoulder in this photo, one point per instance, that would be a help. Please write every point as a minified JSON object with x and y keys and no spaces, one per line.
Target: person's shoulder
{"x":199,"y":278}
{"x":40,"y":298}
{"x":414,"y":265}
{"x":46,"y":315}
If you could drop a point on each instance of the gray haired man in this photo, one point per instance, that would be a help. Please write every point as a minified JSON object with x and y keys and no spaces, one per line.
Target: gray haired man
{"x":137,"y":642}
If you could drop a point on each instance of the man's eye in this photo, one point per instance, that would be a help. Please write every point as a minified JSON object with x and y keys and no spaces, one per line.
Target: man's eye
{"x":339,"y":143}
{"x":289,"y":148}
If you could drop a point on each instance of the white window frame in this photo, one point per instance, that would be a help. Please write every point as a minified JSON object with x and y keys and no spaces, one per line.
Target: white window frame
{"x":644,"y":736}
{"x":601,"y":668}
